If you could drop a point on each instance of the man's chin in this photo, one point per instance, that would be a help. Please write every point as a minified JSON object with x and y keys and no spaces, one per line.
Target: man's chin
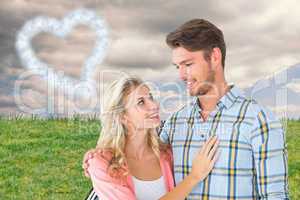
{"x":197,"y":93}
{"x":189,"y":92}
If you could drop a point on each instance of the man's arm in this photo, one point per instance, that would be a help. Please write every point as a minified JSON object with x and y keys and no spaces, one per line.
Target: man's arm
{"x":270,"y":156}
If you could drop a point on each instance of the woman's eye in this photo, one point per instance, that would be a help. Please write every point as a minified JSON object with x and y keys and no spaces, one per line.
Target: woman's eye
{"x":141,"y":102}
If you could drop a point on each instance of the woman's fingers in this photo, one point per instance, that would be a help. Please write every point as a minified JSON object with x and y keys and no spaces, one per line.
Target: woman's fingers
{"x":215,"y":158}
{"x":213,"y":150}
{"x":209,"y":145}
{"x":204,"y":146}
{"x":85,"y":165}
{"x":204,"y":161}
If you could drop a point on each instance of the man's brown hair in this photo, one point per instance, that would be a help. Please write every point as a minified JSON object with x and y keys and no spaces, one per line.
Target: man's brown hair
{"x":198,"y":34}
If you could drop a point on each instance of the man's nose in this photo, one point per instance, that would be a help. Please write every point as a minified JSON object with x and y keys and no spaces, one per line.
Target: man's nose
{"x":182,"y":73}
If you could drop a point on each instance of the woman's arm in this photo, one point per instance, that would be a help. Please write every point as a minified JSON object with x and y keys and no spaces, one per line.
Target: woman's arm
{"x":203,"y":163}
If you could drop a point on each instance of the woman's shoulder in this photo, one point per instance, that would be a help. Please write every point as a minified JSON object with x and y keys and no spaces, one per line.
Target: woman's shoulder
{"x":96,"y":158}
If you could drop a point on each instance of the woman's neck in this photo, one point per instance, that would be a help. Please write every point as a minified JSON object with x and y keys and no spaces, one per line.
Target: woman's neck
{"x":137,"y":144}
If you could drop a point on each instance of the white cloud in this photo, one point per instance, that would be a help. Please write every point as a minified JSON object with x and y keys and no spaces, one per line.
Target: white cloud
{"x":295,"y":86}
{"x":261,"y":38}
{"x":287,"y":111}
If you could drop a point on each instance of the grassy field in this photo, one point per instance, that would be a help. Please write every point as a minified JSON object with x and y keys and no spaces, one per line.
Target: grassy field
{"x":293,"y":143}
{"x":41,"y":159}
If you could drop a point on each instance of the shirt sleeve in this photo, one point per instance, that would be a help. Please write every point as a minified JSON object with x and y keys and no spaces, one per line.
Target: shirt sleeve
{"x":270,"y":156}
{"x":104,"y":185}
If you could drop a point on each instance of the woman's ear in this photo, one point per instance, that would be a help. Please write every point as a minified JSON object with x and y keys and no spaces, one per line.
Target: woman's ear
{"x":127,"y":123}
{"x":124,"y":119}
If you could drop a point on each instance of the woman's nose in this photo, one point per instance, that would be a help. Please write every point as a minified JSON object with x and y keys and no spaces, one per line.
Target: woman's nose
{"x":154,"y":105}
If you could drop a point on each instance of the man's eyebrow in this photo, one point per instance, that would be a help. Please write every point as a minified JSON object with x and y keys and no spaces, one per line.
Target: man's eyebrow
{"x":184,"y":61}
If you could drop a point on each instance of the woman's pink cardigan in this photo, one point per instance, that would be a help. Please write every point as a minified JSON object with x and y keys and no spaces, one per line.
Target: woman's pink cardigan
{"x":108,"y":188}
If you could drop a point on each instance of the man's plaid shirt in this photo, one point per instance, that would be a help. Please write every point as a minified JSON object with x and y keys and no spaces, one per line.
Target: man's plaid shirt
{"x":253,"y":159}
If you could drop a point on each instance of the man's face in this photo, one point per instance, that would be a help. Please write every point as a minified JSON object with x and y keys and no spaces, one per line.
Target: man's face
{"x":194,"y":70}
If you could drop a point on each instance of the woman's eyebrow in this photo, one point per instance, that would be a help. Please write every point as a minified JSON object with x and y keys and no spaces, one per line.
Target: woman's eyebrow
{"x":139,"y":98}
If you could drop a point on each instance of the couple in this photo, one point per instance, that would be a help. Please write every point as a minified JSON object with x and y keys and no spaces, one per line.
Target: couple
{"x":219,"y":146}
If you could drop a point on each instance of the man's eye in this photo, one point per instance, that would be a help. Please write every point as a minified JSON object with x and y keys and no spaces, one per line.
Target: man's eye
{"x":151,"y":97}
{"x":188,"y":64}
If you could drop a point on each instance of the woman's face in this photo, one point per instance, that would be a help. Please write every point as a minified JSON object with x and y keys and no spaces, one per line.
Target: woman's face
{"x":141,"y":110}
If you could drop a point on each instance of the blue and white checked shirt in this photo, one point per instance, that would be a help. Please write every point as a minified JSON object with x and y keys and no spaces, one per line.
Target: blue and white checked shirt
{"x":253,"y":159}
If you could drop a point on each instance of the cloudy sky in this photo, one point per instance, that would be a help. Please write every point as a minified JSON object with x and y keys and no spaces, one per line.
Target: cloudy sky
{"x":262,"y":39}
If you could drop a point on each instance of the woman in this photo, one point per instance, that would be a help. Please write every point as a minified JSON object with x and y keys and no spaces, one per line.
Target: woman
{"x":130,"y":162}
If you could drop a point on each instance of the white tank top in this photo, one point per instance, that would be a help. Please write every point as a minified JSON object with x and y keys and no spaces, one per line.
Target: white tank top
{"x":149,"y":190}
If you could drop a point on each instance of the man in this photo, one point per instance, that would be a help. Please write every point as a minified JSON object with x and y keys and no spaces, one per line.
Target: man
{"x":253,"y":158}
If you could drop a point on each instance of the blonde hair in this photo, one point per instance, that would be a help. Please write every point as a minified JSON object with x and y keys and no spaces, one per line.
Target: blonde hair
{"x":113,"y":133}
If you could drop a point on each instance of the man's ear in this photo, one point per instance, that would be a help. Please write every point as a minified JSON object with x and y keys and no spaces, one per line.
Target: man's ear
{"x":216,"y":57}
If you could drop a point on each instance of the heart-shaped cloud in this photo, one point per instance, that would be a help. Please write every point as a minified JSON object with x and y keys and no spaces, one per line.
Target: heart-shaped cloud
{"x":61,"y":29}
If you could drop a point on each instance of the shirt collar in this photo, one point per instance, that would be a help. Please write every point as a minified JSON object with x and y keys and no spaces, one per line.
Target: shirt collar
{"x":227,"y":100}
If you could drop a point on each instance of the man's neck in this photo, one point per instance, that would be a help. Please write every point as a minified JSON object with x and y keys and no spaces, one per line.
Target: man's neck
{"x":209,"y":101}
